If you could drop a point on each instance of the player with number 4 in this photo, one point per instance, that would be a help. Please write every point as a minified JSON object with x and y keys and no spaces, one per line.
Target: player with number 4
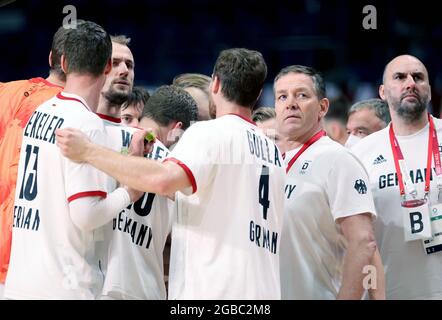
{"x":226,"y":244}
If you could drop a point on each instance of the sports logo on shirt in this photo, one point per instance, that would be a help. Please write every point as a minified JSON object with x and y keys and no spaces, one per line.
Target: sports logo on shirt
{"x":360,"y":186}
{"x":380,"y":159}
{"x":305,"y":166}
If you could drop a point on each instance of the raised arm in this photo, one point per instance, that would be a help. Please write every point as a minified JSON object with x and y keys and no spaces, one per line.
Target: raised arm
{"x":136,"y":172}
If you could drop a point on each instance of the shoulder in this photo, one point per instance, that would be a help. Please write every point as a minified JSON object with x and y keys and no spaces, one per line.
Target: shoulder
{"x":372,"y":142}
{"x":335,"y":156}
{"x":437,"y":123}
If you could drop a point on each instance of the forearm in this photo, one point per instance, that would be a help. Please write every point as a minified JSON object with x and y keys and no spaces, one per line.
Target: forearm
{"x":136,"y":172}
{"x":90,"y":213}
{"x":377,"y":291}
{"x":357,"y":257}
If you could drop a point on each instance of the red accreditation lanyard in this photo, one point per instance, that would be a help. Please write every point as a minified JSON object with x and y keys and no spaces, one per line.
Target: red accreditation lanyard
{"x":433,"y":150}
{"x":312,"y":140}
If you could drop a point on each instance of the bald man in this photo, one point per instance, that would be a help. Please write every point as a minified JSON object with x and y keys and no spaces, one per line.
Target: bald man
{"x":407,"y":197}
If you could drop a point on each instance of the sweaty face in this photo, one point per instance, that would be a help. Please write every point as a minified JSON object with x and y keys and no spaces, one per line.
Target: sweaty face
{"x":363,"y":122}
{"x":406,"y":87}
{"x":131,"y":115}
{"x":119,"y":81}
{"x":297,"y":106}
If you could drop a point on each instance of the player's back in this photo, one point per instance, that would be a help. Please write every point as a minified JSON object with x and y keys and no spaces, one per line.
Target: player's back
{"x":18,"y":99}
{"x":51,"y":257}
{"x":225,"y":243}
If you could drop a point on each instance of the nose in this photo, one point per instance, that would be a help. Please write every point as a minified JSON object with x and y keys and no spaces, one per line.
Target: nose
{"x":410,"y":83}
{"x":291,"y":103}
{"x":123,"y":69}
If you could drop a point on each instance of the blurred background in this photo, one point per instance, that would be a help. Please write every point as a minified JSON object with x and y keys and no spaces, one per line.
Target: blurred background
{"x":170,"y":37}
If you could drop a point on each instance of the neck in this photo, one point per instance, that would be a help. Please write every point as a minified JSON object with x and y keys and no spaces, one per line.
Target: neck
{"x":108,"y":109}
{"x":295,"y":141}
{"x":226,"y":107}
{"x":85,"y":86}
{"x":52,"y":78}
{"x":403,"y":127}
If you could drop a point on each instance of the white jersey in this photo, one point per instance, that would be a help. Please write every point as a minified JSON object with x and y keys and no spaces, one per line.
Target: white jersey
{"x":135,"y":266}
{"x":225,"y":243}
{"x":118,"y":138}
{"x":409,"y":272}
{"x":51,"y":258}
{"x":325,"y":183}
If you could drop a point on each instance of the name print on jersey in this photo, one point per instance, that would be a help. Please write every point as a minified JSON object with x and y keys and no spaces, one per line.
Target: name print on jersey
{"x":42,"y":126}
{"x":140,"y":233}
{"x":289,"y":188}
{"x":391,"y":179}
{"x":261,"y":149}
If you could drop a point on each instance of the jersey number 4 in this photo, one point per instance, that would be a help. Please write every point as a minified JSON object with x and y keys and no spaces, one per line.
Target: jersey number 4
{"x":263,"y":191}
{"x":28,"y":188}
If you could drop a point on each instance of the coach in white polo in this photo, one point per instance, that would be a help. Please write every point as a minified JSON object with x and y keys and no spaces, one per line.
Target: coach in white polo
{"x":327,"y":237}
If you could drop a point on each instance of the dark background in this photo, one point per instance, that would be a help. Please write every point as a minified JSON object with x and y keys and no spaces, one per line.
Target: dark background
{"x":171,"y":37}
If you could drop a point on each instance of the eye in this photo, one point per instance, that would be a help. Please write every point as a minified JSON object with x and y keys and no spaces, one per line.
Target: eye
{"x":129,"y":65}
{"x":417,"y":77}
{"x":282,"y":97}
{"x":301,"y":95}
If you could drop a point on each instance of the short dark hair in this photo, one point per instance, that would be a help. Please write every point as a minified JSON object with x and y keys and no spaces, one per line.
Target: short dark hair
{"x":193,"y":80}
{"x":171,"y":103}
{"x":138,"y":95}
{"x":87,"y":49}
{"x":316,"y":76}
{"x":263,"y":113}
{"x":379,"y":106}
{"x":57,"y":49}
{"x":242,"y":73}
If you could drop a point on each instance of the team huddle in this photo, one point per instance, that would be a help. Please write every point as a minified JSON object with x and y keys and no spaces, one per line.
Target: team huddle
{"x":254,"y":204}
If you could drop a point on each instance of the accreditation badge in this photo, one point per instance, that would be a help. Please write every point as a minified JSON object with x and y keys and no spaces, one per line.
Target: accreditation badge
{"x":416,"y":220}
{"x":434,"y":244}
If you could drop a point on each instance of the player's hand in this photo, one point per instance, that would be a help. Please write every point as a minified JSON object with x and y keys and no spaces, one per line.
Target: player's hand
{"x":139,"y":146}
{"x":73,"y":143}
{"x":134,"y":194}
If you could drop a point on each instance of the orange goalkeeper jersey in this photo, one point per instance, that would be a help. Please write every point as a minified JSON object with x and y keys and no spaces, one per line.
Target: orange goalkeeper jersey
{"x":18,"y":100}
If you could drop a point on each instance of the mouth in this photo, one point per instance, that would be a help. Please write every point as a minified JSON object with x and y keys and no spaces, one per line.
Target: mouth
{"x":411,"y":95}
{"x":122,"y":82}
{"x":292,"y":117}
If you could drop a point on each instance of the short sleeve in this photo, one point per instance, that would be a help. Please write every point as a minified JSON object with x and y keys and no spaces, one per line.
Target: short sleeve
{"x":348,"y":187}
{"x":196,"y":153}
{"x":82,"y":179}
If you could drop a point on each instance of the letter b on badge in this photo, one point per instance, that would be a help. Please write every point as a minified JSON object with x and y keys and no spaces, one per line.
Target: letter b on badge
{"x":416,"y":222}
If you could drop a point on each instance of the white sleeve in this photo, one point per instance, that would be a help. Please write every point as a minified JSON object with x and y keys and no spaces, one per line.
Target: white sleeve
{"x":89,"y":213}
{"x":196,"y":152}
{"x":81,"y":179}
{"x":348,"y":187}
